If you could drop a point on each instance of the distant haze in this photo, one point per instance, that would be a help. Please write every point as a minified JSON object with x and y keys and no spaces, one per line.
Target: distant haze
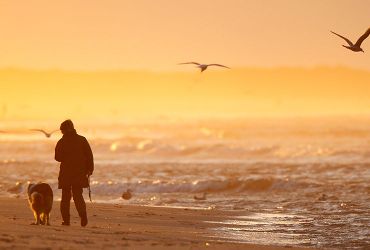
{"x":241,"y":92}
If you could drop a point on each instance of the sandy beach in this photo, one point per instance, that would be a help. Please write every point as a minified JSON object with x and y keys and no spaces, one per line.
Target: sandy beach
{"x":119,"y":227}
{"x":223,"y":124}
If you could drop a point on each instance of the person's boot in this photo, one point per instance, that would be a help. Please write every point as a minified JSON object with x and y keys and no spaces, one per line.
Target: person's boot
{"x":84,"y":220}
{"x":66,"y":219}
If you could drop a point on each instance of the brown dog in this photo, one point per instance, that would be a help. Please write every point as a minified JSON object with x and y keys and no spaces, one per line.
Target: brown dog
{"x":40,"y":198}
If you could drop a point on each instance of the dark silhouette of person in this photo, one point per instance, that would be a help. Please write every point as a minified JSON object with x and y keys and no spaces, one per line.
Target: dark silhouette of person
{"x":76,"y":165}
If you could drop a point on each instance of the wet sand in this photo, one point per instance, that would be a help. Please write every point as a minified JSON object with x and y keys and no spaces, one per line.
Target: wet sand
{"x":119,"y":227}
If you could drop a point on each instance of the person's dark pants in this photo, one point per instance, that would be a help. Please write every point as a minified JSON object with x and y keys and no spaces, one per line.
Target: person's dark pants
{"x":67,"y":194}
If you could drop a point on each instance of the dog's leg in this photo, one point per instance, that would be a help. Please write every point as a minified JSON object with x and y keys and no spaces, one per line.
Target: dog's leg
{"x":42,"y":218}
{"x":47,"y":217}
{"x":37,"y":218}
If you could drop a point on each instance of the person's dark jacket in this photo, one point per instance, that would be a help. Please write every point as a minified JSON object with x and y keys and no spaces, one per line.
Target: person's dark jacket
{"x":75,"y":155}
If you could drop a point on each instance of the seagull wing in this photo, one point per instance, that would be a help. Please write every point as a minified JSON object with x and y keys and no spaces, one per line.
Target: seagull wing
{"x":40,"y":130}
{"x":52,"y":132}
{"x":219,"y":65}
{"x":346,"y":39}
{"x":190,"y":63}
{"x":363,"y":37}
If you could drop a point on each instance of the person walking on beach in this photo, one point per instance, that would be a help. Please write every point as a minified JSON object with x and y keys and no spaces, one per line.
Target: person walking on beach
{"x":76,"y":165}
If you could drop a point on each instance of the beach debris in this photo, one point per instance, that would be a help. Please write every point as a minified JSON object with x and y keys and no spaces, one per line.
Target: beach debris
{"x":323,"y":197}
{"x":201,"y":198}
{"x":127,"y":195}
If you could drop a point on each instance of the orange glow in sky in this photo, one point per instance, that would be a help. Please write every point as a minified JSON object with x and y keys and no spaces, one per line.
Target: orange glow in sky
{"x":156,"y":35}
{"x":114,"y":95}
{"x":118,"y":58}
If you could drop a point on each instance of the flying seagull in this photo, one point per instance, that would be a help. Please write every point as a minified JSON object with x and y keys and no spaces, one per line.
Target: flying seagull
{"x":203,"y":67}
{"x":44,"y":132}
{"x":357,"y":46}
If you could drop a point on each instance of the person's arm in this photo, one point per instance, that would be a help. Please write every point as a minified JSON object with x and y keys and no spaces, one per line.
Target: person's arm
{"x":58,"y":152}
{"x":89,"y":158}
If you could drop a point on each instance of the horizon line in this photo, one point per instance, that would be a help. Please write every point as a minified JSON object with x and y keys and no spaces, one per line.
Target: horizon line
{"x":238,"y":68}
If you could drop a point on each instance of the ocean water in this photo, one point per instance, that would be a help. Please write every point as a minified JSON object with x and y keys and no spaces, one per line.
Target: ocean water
{"x":302,"y":182}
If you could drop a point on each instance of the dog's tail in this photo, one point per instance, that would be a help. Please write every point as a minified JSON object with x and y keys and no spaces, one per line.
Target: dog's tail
{"x":37,"y":201}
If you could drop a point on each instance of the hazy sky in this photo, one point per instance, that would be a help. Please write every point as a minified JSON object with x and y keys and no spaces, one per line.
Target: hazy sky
{"x":155,"y":35}
{"x":28,"y":94}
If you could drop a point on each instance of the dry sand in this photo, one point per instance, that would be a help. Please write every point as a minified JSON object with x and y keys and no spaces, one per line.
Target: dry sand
{"x":118,"y":227}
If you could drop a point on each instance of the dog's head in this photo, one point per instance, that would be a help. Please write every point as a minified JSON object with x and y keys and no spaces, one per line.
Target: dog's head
{"x":30,"y":185}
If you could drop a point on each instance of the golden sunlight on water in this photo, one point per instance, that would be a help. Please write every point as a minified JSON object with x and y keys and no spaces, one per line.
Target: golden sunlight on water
{"x":142,"y":144}
{"x":270,"y":145}
{"x":295,"y":180}
{"x":114,"y":146}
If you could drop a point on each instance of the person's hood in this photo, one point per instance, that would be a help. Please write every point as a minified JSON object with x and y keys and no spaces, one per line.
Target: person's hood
{"x":70,"y":132}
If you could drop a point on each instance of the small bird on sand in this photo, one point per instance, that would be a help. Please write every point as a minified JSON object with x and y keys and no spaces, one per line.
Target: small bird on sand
{"x":16,"y":189}
{"x":357,"y":46}
{"x":201,"y":198}
{"x":203,"y":67}
{"x":127,"y":195}
{"x":44,"y":132}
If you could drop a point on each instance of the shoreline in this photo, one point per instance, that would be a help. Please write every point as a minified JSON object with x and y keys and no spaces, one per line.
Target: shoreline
{"x":113,"y":226}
